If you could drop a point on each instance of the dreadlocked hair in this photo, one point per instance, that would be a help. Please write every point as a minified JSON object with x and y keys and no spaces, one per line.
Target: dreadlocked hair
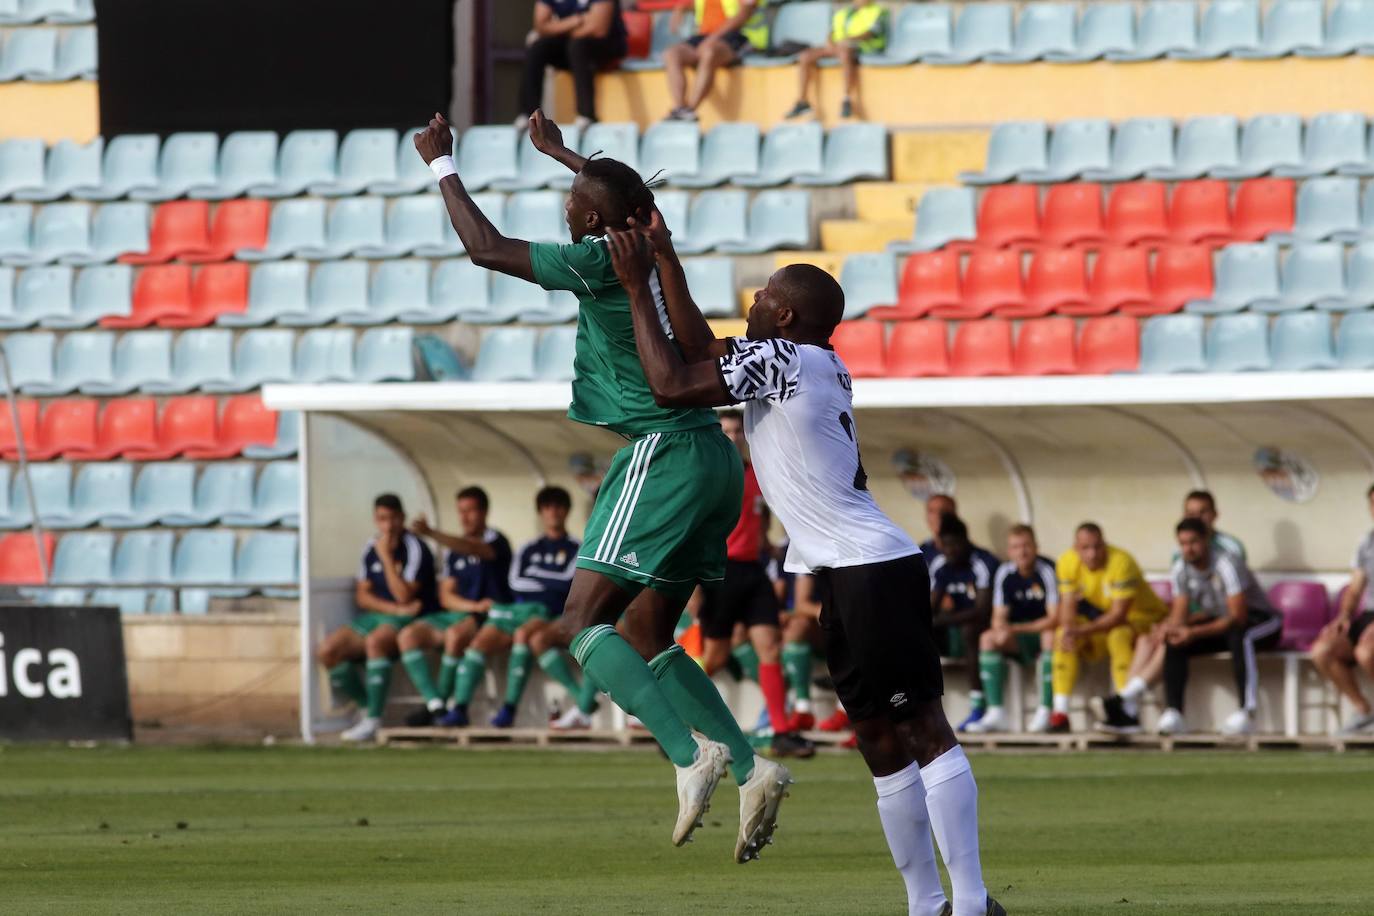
{"x":619,"y":192}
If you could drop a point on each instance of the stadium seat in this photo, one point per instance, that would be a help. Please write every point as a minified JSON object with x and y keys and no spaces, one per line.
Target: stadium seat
{"x":202,"y":360}
{"x":506,"y":355}
{"x":7,"y":519}
{"x":1120,"y":281}
{"x":67,"y":428}
{"x":778,"y":219}
{"x":1228,"y":27}
{"x":485,"y":155}
{"x":188,"y":162}
{"x":1290,"y":27}
{"x":1009,"y":215}
{"x":1166,"y":27}
{"x":1305,"y":609}
{"x":917,"y":30}
{"x":365,"y":157}
{"x":437,"y":360}
{"x":1172,"y":343}
{"x":417,"y":225}
{"x":1137,"y":213}
{"x":716,"y":218}
{"x":458,"y":286}
{"x":245,"y":423}
{"x":712,"y":282}
{"x":1238,"y":343}
{"x":28,"y":428}
{"x":992,"y":280}
{"x":295,"y":226}
{"x":670,"y":147}
{"x":661,"y":38}
{"x":1182,"y":274}
{"x":126,"y":424}
{"x":918,"y":349}
{"x":1326,"y":208}
{"x":944,"y":218}
{"x":852,"y":152}
{"x":125,"y":600}
{"x":537,"y":216}
{"x":324,"y":355}
{"x":981,"y":348}
{"x":355,"y":225}
{"x":178,"y":227}
{"x":1262,"y":208}
{"x":69,"y":165}
{"x":1043,"y":28}
{"x":81,"y":359}
{"x":1311,"y":273}
{"x":129,"y":164}
{"x":1072,"y":215}
{"x":1200,"y":212}
{"x":140,"y":361}
{"x":247,"y":159}
{"x":981,"y":30}
{"x":1014,"y":147}
{"x":336,"y":288}
{"x":1333,"y":142}
{"x":52,"y":493}
{"x":16,"y":225}
{"x":268,"y":558}
{"x":305,"y":158}
{"x":859,"y":345}
{"x":1247,"y":277}
{"x":554,"y":354}
{"x":237,"y":225}
{"x":409,"y":174}
{"x":204,"y":558}
{"x":48,"y":294}
{"x":86,"y":558}
{"x":867,"y":280}
{"x":1349,"y":30}
{"x":21,"y":165}
{"x":385,"y":355}
{"x":1358,"y":290}
{"x":161,"y":491}
{"x":1354,"y":342}
{"x":276,"y":498}
{"x":1076,"y":146}
{"x":224,"y":488}
{"x":77,"y":57}
{"x":61,"y":232}
{"x":639,"y":26}
{"x":1267,"y":142}
{"x":162,"y":291}
{"x":514,"y":299}
{"x":42,"y":295}
{"x":728,"y":151}
{"x":1045,"y":346}
{"x":186,"y":423}
{"x":929,"y":279}
{"x":101,"y":490}
{"x":790,"y":152}
{"x":216,"y":290}
{"x":796,"y":23}
{"x":1138,"y":146}
{"x":20,"y":561}
{"x":1302,"y":341}
{"x":11,"y":319}
{"x":1103,"y":29}
{"x":277,"y":288}
{"x":396,"y":287}
{"x":1057,"y":281}
{"x":262,"y":357}
{"x":116,"y":229}
{"x":29,"y":54}
{"x":1203,"y":144}
{"x":29,"y":360}
{"x":144,"y":558}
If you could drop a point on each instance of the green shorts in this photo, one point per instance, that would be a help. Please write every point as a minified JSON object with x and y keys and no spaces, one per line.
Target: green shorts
{"x":445,"y":619}
{"x":510,"y":617}
{"x":364,"y":624}
{"x":1027,"y":648}
{"x":667,"y":505}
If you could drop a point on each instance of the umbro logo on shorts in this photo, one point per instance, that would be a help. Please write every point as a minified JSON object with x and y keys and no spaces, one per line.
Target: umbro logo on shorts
{"x":898,"y":699}
{"x":630,"y":559}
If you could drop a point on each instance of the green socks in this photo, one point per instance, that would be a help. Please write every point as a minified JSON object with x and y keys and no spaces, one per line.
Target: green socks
{"x":607,"y":659}
{"x":469,"y":673}
{"x":796,"y":663}
{"x":555,"y":665}
{"x":517,"y":673}
{"x":417,"y":666}
{"x":448,"y":673}
{"x":378,"y":684}
{"x":747,"y":659}
{"x":586,"y":696}
{"x":1046,"y":679}
{"x":993,"y":669}
{"x":344,"y":678}
{"x":698,"y":701}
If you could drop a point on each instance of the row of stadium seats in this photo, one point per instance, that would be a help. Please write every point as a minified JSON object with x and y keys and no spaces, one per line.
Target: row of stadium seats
{"x":64,"y":12}
{"x":119,"y":495}
{"x":132,"y":428}
{"x":43,"y":55}
{"x":1297,"y":342}
{"x":127,"y":600}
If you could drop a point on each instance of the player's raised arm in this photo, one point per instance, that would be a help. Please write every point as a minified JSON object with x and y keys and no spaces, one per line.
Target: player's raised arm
{"x":690,"y":329}
{"x":485,"y":245}
{"x":548,"y":138}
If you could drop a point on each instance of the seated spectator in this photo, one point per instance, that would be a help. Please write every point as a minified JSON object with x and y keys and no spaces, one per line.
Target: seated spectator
{"x":476,"y":576}
{"x":938,"y":505}
{"x":395,"y":584}
{"x":1348,"y":641}
{"x":727,"y":31}
{"x":1200,"y":504}
{"x":1104,"y":604}
{"x":858,"y":28}
{"x":1024,"y":612}
{"x":961,"y":597}
{"x":1218,"y":607}
{"x":582,"y":36}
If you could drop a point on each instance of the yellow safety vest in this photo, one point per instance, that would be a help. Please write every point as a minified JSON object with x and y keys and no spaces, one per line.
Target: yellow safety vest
{"x":851,"y":22}
{"x":755,"y":30}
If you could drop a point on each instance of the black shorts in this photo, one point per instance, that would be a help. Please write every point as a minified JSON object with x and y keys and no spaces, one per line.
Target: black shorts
{"x":1358,"y":625}
{"x":880,"y":646}
{"x":746,"y":596}
{"x":735,"y":41}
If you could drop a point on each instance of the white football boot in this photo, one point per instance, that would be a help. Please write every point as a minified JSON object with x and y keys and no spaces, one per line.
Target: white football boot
{"x":695,"y":784}
{"x":994,"y":720}
{"x":574,"y":718}
{"x":759,"y":799}
{"x":365,"y":730}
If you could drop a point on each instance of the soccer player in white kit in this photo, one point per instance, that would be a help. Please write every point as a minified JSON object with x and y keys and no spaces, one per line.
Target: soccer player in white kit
{"x":869,"y":575}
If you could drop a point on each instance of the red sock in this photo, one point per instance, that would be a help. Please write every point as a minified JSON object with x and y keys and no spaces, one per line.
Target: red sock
{"x":774,"y":694}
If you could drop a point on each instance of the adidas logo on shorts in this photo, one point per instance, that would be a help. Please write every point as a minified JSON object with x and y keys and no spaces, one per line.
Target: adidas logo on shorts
{"x":630,"y":559}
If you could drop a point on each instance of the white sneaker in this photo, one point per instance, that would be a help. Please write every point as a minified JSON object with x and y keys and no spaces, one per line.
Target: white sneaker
{"x":1040,"y":722}
{"x":759,"y":799}
{"x":695,"y":785}
{"x":572,"y":719}
{"x":1357,"y":725}
{"x":994,"y":720}
{"x":1171,"y":723}
{"x":1238,"y":723}
{"x":365,"y":730}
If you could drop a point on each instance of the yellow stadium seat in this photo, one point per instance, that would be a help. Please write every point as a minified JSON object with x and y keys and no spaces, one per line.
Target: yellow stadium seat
{"x":846,"y":235}
{"x":746,"y":299}
{"x":828,"y":261}
{"x":887,"y":200}
{"x":728,"y":327}
{"x":937,"y":156}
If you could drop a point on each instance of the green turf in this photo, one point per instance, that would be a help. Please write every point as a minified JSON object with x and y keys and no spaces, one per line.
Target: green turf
{"x":297,"y":830}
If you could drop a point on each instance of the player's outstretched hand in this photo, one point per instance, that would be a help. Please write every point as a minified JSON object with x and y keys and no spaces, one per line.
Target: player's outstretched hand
{"x":435,"y":140}
{"x":420,"y":525}
{"x":654,"y":229}
{"x":545,"y":134}
{"x":631,"y":257}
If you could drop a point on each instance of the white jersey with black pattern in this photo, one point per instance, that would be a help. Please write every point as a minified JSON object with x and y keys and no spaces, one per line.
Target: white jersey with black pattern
{"x":799,"y":420}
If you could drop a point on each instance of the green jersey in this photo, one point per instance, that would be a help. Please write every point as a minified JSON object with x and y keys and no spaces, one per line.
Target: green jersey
{"x":609,"y":388}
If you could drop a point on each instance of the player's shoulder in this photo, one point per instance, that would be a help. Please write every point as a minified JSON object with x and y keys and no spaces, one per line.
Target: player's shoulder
{"x":493,"y":536}
{"x":415,"y":542}
{"x":1068,"y":562}
{"x":1119,"y":558}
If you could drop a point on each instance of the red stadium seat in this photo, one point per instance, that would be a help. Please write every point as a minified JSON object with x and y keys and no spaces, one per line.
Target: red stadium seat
{"x":929,"y":279}
{"x":1109,"y":344}
{"x":1137,"y":213}
{"x":981,"y":348}
{"x":1182,"y":273}
{"x":639,"y":29}
{"x":992,"y":280}
{"x":918,"y":349}
{"x":186,"y":423}
{"x":1200,"y":212}
{"x":28,"y":428}
{"x":1072,"y":215}
{"x":1009,"y":215}
{"x":237,"y":224}
{"x":245,"y":422}
{"x":178,"y":226}
{"x":66,"y":428}
{"x":218,"y":289}
{"x":860,"y":345}
{"x":1121,"y":280}
{"x":127,"y":426}
{"x":160,"y":293}
{"x":19,"y":558}
{"x":1263,"y":205}
{"x":1045,"y":347}
{"x":1057,"y":282}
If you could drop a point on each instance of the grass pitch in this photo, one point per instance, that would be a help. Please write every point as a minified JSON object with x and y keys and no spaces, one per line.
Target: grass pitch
{"x":316,"y":830}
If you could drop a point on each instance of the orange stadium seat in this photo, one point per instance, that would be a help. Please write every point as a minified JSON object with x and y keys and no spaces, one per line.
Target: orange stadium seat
{"x":245,"y":422}
{"x":1009,"y":215}
{"x":66,"y":428}
{"x":126,"y":425}
{"x":186,"y":423}
{"x":1137,"y":213}
{"x":860,"y":345}
{"x":161,"y":292}
{"x":992,"y":280}
{"x":1200,"y":212}
{"x":918,"y":349}
{"x":1181,"y":273}
{"x":1109,"y":344}
{"x":1045,"y":347}
{"x":1072,"y":215}
{"x":981,"y":348}
{"x":929,"y":279}
{"x":178,"y":226}
{"x":237,"y":224}
{"x":1120,"y":280}
{"x":19,"y":559}
{"x":28,"y":428}
{"x":1056,"y":282}
{"x":218,"y":289}
{"x":1263,"y":206}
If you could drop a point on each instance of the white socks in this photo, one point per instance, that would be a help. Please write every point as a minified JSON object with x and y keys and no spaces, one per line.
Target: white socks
{"x":952,"y":799}
{"x":902,"y":809}
{"x":1130,"y":695}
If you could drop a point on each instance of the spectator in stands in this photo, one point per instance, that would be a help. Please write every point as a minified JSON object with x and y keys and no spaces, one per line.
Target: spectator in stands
{"x":1348,"y":641}
{"x":1200,"y":504}
{"x":1104,"y":604}
{"x":938,"y":505}
{"x":727,"y":31}
{"x":1025,"y":603}
{"x":1218,"y":607}
{"x":857,"y":28}
{"x":395,"y":584}
{"x":476,"y":576}
{"x":961,"y":596}
{"x":582,"y":36}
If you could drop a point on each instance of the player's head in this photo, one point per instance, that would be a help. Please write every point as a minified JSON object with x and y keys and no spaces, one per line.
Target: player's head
{"x":472,"y":510}
{"x":953,"y":539}
{"x":1193,"y":539}
{"x":604,"y":194}
{"x":553,"y":505}
{"x":801,"y":303}
{"x":732,"y":424}
{"x":1090,"y":545}
{"x":1021,"y":546}
{"x":387,"y":515}
{"x":1201,"y":505}
{"x":938,"y":506}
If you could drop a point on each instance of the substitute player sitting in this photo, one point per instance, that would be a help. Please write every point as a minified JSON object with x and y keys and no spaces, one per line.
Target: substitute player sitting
{"x":961,"y":594}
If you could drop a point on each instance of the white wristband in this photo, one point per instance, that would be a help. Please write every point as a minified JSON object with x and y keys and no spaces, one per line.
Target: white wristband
{"x":443,"y":166}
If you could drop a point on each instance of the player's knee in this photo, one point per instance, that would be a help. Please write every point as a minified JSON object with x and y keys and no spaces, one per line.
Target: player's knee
{"x":988,"y":641}
{"x":1364,"y":653}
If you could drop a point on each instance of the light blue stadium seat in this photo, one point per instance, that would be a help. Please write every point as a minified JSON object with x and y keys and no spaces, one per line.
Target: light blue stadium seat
{"x":438,"y":362}
{"x":1138,"y":145}
{"x":728,"y":151}
{"x":1326,"y":208}
{"x":1366,"y":220}
{"x":202,"y":360}
{"x":537,"y":216}
{"x":852,"y":152}
{"x":514,"y":299}
{"x":1014,"y":147}
{"x":789,"y":152}
{"x":1204,"y":144}
{"x":1355,"y":341}
{"x":1166,"y":27}
{"x":417,"y":225}
{"x":305,"y":157}
{"x":1359,"y":282}
{"x":16,"y":225}
{"x":81,"y":558}
{"x":715,"y":218}
{"x":21,"y":165}
{"x":386,"y":355}
{"x":52,"y":493}
{"x":29,"y":54}
{"x":918,"y":30}
{"x":117,"y":228}
{"x":553,"y":356}
{"x":130,"y":164}
{"x":366,"y":156}
{"x":324,"y":355}
{"x":263,"y":357}
{"x":223,"y":487}
{"x":276,"y":498}
{"x":42,"y":295}
{"x":396,"y":288}
{"x":673,"y":207}
{"x":126,"y":600}
{"x":9,"y":523}
{"x":1238,"y":343}
{"x":295,"y":226}
{"x":30,"y":361}
{"x":187,"y":601}
{"x":99,"y":291}
{"x":712,"y":283}
{"x":1247,"y":277}
{"x":457,"y":288}
{"x":81,"y":359}
{"x":62,"y":597}
{"x":661,"y":38}
{"x":61,"y":232}
{"x":355,"y":224}
{"x":268,"y":558}
{"x":612,"y":141}
{"x":76,"y":55}
{"x":1172,"y":343}
{"x":1302,"y":341}
{"x":1267,"y":143}
{"x":506,"y":355}
{"x":204,"y":557}
{"x":1312,"y":273}
{"x":867,"y":280}
{"x":1228,"y":27}
{"x":485,"y":155}
{"x":1076,"y":146}
{"x":778,"y":219}
{"x":982,"y":29}
{"x":1349,"y":30}
{"x":162,"y":490}
{"x":10,"y":318}
{"x":69,"y":166}
{"x":142,"y":362}
{"x":411,"y":174}
{"x":336,"y":288}
{"x":802,"y":22}
{"x":1043,"y":29}
{"x":1333,"y":142}
{"x":56,"y":11}
{"x":535,"y":170}
{"x":247,"y":159}
{"x":1290,"y":26}
{"x":275,"y":288}
{"x":101,"y":489}
{"x":670,"y":147}
{"x":943,"y":215}
{"x":1105,"y":28}
{"x":288,"y":438}
{"x":187,"y":163}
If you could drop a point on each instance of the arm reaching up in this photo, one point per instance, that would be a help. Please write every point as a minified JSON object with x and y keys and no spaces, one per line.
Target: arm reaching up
{"x":548,"y":139}
{"x":693,"y":334}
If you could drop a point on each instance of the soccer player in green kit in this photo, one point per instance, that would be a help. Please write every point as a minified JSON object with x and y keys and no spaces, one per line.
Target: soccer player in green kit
{"x":669,"y":500}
